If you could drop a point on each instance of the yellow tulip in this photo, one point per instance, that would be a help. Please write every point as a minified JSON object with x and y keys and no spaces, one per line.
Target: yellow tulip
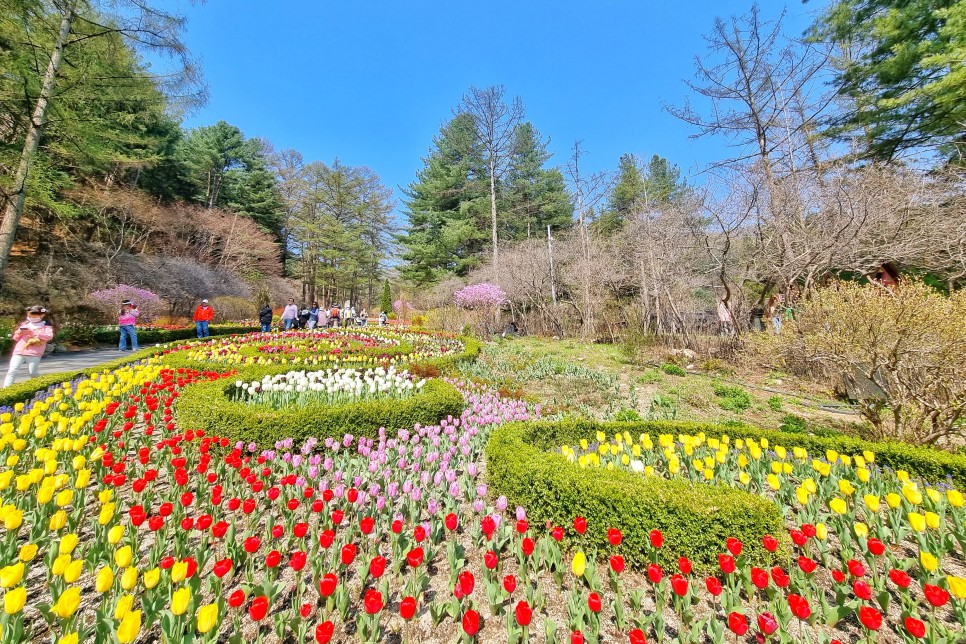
{"x":180,"y":600}
{"x":64,"y":497}
{"x":929,"y":562}
{"x":957,"y":586}
{"x":846,"y":487}
{"x":114,"y":534}
{"x":14,"y":600}
{"x":838,"y":506}
{"x":73,"y":570}
{"x":67,"y":603}
{"x":821,"y":531}
{"x":129,"y":627}
{"x":10,"y":576}
{"x":58,"y":520}
{"x":129,"y":578}
{"x":934,"y":495}
{"x":802,"y":494}
{"x":151,"y":578}
{"x":773,"y":482}
{"x":912,"y":495}
{"x":60,"y":565}
{"x":745,"y":478}
{"x":104,"y":580}
{"x":579,"y":564}
{"x":28,"y":551}
{"x":861,"y":530}
{"x":107,"y":513}
{"x":893,"y":500}
{"x":810,"y":485}
{"x":13,"y":520}
{"x":872,"y":502}
{"x":123,"y":556}
{"x":917,"y":521}
{"x":67,"y":544}
{"x":932,"y":520}
{"x":207,"y":618}
{"x":955,"y":498}
{"x":868,"y":456}
{"x":863,"y":474}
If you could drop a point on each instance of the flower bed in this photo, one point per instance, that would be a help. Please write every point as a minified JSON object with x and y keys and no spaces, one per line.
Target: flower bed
{"x":214,"y":408}
{"x":695,"y":518}
{"x":156,"y":335}
{"x":329,"y":387}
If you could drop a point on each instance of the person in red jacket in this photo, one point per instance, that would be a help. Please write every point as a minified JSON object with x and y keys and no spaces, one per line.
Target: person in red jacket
{"x":204,"y":314}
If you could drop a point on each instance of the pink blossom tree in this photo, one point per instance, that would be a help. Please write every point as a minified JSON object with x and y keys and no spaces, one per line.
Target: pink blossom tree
{"x":108,"y":301}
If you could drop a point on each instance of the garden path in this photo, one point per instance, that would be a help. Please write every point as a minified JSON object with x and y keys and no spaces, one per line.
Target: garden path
{"x":71,"y":361}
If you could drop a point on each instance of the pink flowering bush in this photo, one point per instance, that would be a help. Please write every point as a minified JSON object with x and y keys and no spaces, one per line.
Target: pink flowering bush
{"x":108,"y":301}
{"x":480,"y":296}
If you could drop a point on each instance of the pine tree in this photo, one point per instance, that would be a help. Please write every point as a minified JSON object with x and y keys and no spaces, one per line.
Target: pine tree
{"x":663,"y":182}
{"x":385,"y":305}
{"x":535,"y":196}
{"x":446,"y":207}
{"x":627,"y":197}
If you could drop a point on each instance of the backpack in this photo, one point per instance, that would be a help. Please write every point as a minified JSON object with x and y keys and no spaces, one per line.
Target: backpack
{"x":334,"y":312}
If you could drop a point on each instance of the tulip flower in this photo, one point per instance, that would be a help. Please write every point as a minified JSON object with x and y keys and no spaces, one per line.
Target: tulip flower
{"x":14,"y":600}
{"x":579,"y":564}
{"x":737,"y":623}
{"x":767,"y":624}
{"x":180,"y":600}
{"x":258,"y":608}
{"x":935,"y":595}
{"x":68,"y":602}
{"x":471,"y":623}
{"x":915,"y":627}
{"x":372,"y":601}
{"x":637,"y":636}
{"x":207,"y":617}
{"x":407,"y":608}
{"x":870,"y":618}
{"x":129,"y":627}
{"x":323,"y":632}
{"x":509,"y":584}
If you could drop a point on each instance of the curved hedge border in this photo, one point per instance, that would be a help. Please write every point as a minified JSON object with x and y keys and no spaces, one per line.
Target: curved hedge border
{"x":207,"y":406}
{"x":932,"y":464}
{"x":146,"y":336}
{"x":696,"y":519}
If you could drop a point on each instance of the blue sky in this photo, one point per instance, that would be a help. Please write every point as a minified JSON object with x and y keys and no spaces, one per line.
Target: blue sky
{"x":371,"y":81}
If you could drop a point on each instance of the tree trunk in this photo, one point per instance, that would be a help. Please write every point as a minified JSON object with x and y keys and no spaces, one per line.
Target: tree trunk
{"x":493,"y":215}
{"x":15,"y":206}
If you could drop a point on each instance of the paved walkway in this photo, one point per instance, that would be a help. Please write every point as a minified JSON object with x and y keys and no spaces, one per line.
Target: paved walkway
{"x":70,"y":361}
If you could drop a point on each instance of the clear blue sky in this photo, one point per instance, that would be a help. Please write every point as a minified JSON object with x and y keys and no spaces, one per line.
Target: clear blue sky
{"x":370,"y":81}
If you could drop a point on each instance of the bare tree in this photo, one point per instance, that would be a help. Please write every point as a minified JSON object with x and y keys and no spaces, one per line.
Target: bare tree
{"x":496,"y":121}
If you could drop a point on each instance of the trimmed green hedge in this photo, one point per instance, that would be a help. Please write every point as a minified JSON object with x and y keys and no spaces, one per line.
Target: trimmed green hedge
{"x":696,"y":519}
{"x":932,"y":464}
{"x":148,"y":336}
{"x":207,"y":406}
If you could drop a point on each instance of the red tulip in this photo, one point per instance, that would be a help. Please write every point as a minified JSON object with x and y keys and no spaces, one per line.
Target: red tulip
{"x":800,"y":607}
{"x":580,"y":525}
{"x":377,"y":567}
{"x":767,"y":623}
{"x":338,"y":516}
{"x":471,"y":622}
{"x":738,"y":624}
{"x":415,"y":557}
{"x":527,"y":545}
{"x":935,"y":595}
{"x":305,"y":610}
{"x":614,"y":536}
{"x":899,"y":578}
{"x":594,"y":602}
{"x":466,"y":581}
{"x":726,"y":563}
{"x":679,"y":585}
{"x":372,"y":601}
{"x":809,"y":530}
{"x":576,"y":638}
{"x":259,"y":608}
{"x":367,"y":524}
{"x":557,"y":533}
{"x":522,"y":526}
{"x":637,"y":636}
{"x":798,"y":537}
{"x":617,"y":563}
{"x":657,"y":539}
{"x":155,"y":523}
{"x":273,"y":558}
{"x":328,"y":584}
{"x":509,"y":584}
{"x":654,"y":573}
{"x":222,"y":568}
{"x":419,"y":534}
{"x":252,"y":544}
{"x":838,"y":576}
{"x":451,"y":521}
{"x":323,"y":632}
{"x":523,"y":613}
{"x":856,"y":569}
{"x":237,"y":598}
{"x":779,"y":577}
{"x":915,"y":627}
{"x":407,"y":608}
{"x":684,"y":565}
{"x":759,"y":578}
{"x":807,"y":565}
{"x":870,"y":618}
{"x":298,"y":561}
{"x":348,"y":553}
{"x":326,"y":538}
{"x":713,"y":586}
{"x":876,"y":547}
{"x":488,"y":526}
{"x":490,"y":560}
{"x":300,"y":529}
{"x":771,"y":545}
{"x":862,"y":590}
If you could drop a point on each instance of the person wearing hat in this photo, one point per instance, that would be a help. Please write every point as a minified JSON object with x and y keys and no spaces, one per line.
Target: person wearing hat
{"x":31,"y":337}
{"x":204,"y":314}
{"x":126,"y":319}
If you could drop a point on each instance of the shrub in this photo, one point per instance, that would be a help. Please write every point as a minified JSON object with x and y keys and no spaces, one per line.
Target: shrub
{"x":230,"y":308}
{"x":207,"y":406}
{"x":900,"y":347}
{"x":108,"y":301}
{"x":157,"y":336}
{"x":650,"y":377}
{"x":627,"y":415}
{"x":793,"y":424}
{"x":775,"y":403}
{"x":696,"y":519}
{"x":77,"y":334}
{"x":732,"y":398}
{"x":673,"y":369}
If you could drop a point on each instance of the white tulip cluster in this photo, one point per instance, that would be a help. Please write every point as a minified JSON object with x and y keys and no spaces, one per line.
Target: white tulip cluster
{"x":329,"y":387}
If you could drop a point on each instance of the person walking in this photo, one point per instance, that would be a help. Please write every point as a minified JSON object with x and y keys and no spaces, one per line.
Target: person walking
{"x":204,"y":314}
{"x":265,"y":318}
{"x":290,"y":314}
{"x":334,"y":316}
{"x":314,"y":315}
{"x":126,"y":319}
{"x":31,"y":338}
{"x":304,"y":316}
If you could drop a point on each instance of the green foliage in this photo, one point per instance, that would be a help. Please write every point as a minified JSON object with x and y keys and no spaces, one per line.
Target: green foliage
{"x":78,"y":334}
{"x":650,"y":377}
{"x":385,"y":304}
{"x":775,"y":403}
{"x":902,"y":70}
{"x":207,"y":406}
{"x":637,"y":189}
{"x":731,"y":397}
{"x":793,"y":424}
{"x":627,"y":415}
{"x":535,"y":197}
{"x":111,"y":335}
{"x":696,"y":519}
{"x":673,"y":369}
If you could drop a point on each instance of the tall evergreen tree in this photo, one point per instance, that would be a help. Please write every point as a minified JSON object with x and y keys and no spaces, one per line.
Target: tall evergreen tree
{"x":535,"y":197}
{"x":663,"y":182}
{"x":627,"y":197}
{"x":385,"y":304}
{"x":446,"y":207}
